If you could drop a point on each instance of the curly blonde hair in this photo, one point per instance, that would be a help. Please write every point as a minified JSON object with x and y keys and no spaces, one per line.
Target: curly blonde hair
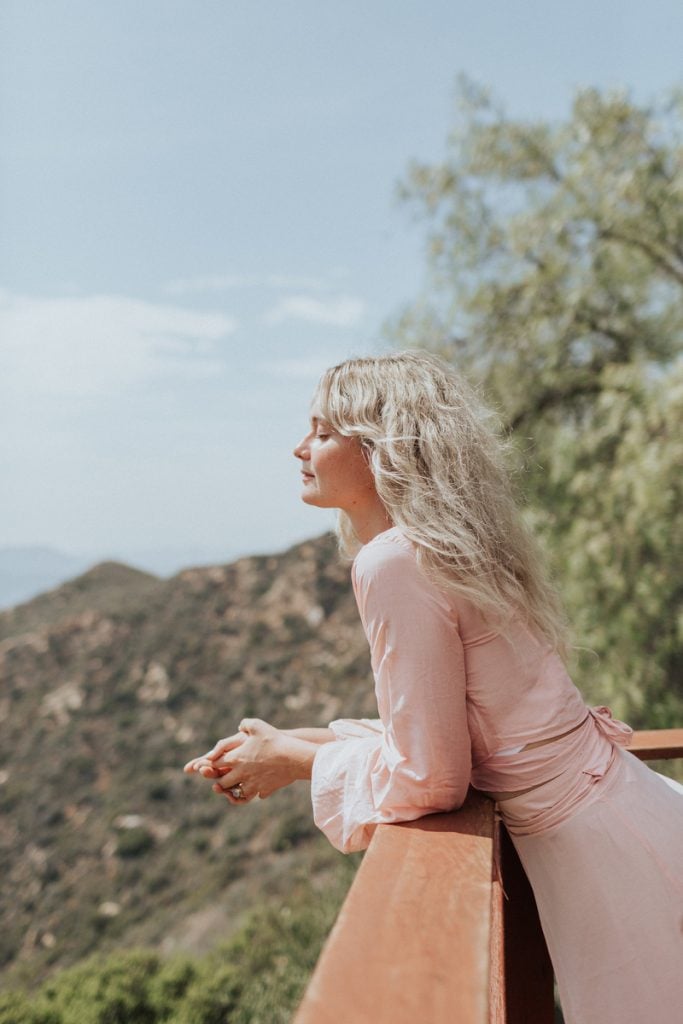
{"x":439,"y":462}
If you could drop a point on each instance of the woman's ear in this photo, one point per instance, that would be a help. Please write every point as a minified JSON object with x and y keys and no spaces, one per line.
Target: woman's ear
{"x":367,"y":447}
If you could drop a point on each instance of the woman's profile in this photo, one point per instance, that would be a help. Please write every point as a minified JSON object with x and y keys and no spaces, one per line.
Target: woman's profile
{"x":467,"y":641}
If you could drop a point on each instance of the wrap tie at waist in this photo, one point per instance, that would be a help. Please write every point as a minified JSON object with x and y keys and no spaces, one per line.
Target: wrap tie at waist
{"x":616,"y":731}
{"x":582,"y":765}
{"x":586,"y":749}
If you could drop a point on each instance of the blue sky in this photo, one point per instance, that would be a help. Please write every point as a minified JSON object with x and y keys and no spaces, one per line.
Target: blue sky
{"x":198,"y":208}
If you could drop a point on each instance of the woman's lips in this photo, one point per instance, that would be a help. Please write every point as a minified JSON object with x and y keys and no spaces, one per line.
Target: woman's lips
{"x":307,"y":476}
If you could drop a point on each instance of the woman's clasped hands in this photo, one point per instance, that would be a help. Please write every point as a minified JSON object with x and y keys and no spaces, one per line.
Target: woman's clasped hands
{"x":255,"y":761}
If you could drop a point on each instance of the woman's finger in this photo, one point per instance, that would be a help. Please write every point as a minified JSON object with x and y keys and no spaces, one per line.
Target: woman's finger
{"x":224,"y":745}
{"x":229,"y":778}
{"x":205,"y":766}
{"x":197,"y":763}
{"x":246,"y":797}
{"x":213,"y":769}
{"x":221,"y":747}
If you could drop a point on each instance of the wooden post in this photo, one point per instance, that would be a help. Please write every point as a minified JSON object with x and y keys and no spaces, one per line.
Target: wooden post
{"x":528,"y":970}
{"x":521,"y":978}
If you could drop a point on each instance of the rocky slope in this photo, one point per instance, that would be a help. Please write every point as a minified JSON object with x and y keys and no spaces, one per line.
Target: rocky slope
{"x":108,"y":684}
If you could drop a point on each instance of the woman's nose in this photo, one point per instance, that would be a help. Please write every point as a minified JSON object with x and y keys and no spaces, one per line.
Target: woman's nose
{"x":299,"y":451}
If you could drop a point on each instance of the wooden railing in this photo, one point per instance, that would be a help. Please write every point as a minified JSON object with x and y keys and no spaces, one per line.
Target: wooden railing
{"x":432,"y":932}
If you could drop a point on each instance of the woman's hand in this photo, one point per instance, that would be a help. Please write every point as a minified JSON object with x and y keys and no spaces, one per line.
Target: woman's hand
{"x":259,"y":758}
{"x":208,"y":764}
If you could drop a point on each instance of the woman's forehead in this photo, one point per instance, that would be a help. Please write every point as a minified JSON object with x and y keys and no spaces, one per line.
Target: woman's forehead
{"x":315,"y":413}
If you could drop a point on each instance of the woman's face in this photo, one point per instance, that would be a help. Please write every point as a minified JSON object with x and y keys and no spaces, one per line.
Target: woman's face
{"x":334,"y":470}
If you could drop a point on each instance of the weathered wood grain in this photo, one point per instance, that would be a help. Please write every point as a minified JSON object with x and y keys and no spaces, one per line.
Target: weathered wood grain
{"x":411,"y":943}
{"x":657,"y":743}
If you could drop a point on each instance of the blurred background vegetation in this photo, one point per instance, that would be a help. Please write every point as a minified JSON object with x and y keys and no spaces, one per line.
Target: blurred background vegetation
{"x":556,"y":255}
{"x":556,"y":280}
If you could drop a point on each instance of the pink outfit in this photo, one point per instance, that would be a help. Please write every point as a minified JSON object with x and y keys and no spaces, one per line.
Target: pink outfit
{"x":601,"y":837}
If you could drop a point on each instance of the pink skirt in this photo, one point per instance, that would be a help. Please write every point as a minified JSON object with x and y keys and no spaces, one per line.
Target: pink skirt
{"x":608,"y":882}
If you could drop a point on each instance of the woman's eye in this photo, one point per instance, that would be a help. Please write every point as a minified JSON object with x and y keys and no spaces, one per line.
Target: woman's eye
{"x":322,"y":436}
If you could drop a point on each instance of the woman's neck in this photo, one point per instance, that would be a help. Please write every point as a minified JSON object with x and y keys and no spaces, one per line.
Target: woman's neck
{"x":368,"y":522}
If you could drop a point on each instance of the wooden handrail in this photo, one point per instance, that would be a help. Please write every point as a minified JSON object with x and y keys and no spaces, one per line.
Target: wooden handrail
{"x":440,"y":925}
{"x":419,"y":904}
{"x":657,"y":743}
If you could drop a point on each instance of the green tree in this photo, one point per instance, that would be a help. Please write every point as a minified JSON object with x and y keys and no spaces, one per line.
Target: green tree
{"x":556,"y":259}
{"x":256,"y":977}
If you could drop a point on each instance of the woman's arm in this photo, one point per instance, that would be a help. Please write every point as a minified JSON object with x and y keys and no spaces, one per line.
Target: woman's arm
{"x":419,"y":761}
{"x":313,"y":735}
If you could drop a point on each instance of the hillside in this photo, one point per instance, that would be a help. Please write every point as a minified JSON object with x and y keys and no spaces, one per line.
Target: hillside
{"x":30,"y":569}
{"x":108,"y":684}
{"x":108,"y":586}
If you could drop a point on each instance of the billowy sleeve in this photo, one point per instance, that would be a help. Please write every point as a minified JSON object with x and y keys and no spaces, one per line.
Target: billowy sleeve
{"x":415,"y":759}
{"x":355,"y":728}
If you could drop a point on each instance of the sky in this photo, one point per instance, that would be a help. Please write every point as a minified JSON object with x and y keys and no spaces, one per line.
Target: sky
{"x":199,"y":213}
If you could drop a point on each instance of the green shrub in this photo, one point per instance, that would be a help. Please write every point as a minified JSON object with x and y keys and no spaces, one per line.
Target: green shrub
{"x":257,"y":977}
{"x":134,"y":842}
{"x":112,"y":991}
{"x":168,"y":987}
{"x":292,"y":829}
{"x":19,"y":1008}
{"x":213,"y":997}
{"x":159,"y":790}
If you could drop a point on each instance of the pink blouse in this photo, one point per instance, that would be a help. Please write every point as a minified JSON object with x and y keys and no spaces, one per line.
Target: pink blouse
{"x":455,"y":699}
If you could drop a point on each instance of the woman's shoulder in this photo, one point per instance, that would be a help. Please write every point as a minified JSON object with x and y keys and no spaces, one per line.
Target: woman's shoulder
{"x":385,"y":546}
{"x":389,"y":558}
{"x":387,"y":570}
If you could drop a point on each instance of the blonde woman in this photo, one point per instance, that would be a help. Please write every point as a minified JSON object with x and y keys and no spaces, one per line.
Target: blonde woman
{"x":467,"y":640}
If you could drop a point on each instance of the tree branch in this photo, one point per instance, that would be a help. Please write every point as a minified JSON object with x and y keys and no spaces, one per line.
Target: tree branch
{"x":550,"y":397}
{"x":657,"y":257}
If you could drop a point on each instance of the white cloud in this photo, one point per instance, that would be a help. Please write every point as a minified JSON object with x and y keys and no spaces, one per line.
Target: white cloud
{"x":335,"y":311}
{"x":228,"y":282}
{"x":92,"y":344}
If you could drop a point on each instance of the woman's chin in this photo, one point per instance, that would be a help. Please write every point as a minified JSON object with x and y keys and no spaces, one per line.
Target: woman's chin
{"x":312,"y":497}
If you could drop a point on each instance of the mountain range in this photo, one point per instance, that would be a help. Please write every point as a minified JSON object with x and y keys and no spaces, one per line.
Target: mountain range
{"x":109,"y":683}
{"x":30,"y":569}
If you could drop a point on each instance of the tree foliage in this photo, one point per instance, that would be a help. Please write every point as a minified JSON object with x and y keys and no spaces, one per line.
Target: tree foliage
{"x":556,"y":257}
{"x":257,"y":977}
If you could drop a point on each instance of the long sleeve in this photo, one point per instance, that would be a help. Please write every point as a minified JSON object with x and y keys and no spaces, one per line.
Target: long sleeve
{"x":355,"y":728}
{"x":416,"y":758}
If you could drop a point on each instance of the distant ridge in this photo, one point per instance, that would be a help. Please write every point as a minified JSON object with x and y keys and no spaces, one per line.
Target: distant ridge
{"x":108,"y":586}
{"x":29,"y":570}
